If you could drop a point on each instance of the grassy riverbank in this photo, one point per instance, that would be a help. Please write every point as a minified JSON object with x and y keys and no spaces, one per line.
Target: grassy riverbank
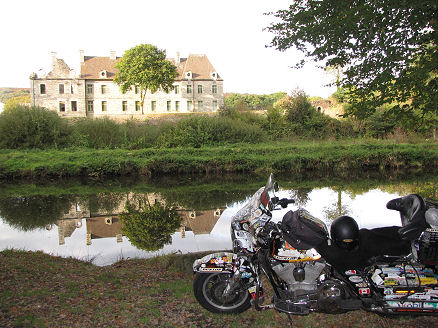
{"x":320,"y":158}
{"x":39,"y":290}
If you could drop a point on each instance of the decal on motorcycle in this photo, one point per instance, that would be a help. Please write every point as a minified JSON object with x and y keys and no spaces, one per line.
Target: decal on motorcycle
{"x":362,"y":285}
{"x":430,"y":305}
{"x":355,"y":279}
{"x":398,"y":304}
{"x":210,"y":269}
{"x":246,"y":275}
{"x":350,"y":272}
{"x":364,"y":291}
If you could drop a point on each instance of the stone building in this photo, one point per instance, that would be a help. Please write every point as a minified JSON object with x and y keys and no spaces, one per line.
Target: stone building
{"x":92,"y":92}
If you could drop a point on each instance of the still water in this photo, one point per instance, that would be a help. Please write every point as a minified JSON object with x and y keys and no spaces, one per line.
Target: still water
{"x":80,"y":218}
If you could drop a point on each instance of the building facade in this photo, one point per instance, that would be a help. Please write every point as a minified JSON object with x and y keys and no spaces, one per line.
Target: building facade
{"x":92,"y":92}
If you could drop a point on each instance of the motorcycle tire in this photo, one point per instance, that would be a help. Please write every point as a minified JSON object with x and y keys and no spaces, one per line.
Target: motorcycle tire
{"x":208,"y":289}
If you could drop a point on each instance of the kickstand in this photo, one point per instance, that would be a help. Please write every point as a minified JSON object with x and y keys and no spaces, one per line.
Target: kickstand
{"x":291,"y":321}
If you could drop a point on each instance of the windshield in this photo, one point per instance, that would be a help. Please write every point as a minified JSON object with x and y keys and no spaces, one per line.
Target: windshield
{"x":252,"y":211}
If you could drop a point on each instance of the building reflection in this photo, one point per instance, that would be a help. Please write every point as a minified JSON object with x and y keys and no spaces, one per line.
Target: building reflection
{"x":101,"y":223}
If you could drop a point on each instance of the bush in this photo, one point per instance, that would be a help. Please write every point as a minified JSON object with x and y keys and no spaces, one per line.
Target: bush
{"x":31,"y":127}
{"x":141,"y":135}
{"x":197,"y":131}
{"x":97,"y":133}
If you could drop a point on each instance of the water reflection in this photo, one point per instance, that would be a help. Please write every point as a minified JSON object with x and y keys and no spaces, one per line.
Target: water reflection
{"x":83,"y":221}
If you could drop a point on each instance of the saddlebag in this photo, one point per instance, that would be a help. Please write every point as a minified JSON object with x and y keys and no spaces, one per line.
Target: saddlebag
{"x":303,"y":231}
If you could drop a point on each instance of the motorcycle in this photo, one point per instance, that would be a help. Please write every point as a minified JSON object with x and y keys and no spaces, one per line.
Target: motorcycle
{"x":389,"y":270}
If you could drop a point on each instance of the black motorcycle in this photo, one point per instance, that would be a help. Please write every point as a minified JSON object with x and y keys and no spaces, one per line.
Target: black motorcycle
{"x":390,"y":270}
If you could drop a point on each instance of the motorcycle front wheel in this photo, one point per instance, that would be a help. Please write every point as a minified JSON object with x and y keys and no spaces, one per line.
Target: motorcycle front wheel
{"x":209,"y":288}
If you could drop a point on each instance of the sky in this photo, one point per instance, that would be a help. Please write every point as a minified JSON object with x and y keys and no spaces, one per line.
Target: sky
{"x":229,"y":32}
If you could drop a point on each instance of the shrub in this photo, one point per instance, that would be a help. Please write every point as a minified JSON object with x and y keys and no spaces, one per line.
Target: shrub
{"x":141,"y":135}
{"x":31,"y":127}
{"x":203,"y":130}
{"x":97,"y":133}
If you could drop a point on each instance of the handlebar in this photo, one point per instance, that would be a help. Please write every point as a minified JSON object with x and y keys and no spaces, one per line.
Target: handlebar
{"x":282,"y":202}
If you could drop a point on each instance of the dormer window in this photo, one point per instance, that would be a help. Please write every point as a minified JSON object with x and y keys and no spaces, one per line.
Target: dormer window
{"x":189,"y":75}
{"x":103,"y":74}
{"x":214,"y":75}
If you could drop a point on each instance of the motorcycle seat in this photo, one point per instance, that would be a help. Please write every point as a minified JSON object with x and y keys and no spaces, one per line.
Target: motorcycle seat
{"x":412,"y":210}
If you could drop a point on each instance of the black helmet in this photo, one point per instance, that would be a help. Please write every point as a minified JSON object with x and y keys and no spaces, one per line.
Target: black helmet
{"x":345,"y":232}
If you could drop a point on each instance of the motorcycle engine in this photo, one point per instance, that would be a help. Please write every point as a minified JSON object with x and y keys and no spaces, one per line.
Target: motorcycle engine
{"x":300,"y":277}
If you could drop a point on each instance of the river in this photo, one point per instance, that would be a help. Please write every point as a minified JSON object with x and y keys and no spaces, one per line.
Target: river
{"x":79,"y":219}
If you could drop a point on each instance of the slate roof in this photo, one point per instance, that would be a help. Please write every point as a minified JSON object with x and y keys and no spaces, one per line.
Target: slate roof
{"x":199,"y":65}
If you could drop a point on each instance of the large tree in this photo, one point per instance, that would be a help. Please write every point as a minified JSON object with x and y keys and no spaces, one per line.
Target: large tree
{"x":387,"y":48}
{"x":145,"y":67}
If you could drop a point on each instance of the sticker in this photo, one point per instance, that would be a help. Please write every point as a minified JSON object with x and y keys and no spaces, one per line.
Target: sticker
{"x":219,"y":260}
{"x":362,"y":284}
{"x":391,"y":282}
{"x":388,"y":291}
{"x":246,"y":275}
{"x":350,"y":272}
{"x":405,"y":304}
{"x":376,"y":278}
{"x":210,"y":269}
{"x":355,"y":279}
{"x":364,"y":291}
{"x":430,"y":305}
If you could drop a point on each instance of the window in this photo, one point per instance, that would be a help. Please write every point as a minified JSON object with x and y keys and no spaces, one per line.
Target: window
{"x":176,"y":89}
{"x":74,"y":106}
{"x":177,"y":106}
{"x":89,"y":88}
{"x":199,"y":89}
{"x":71,"y":89}
{"x":103,"y":89}
{"x":214,"y":104}
{"x":42,"y":89}
{"x":153,"y":105}
{"x":189,"y":105}
{"x":103,"y":106}
{"x":62,"y":106}
{"x":124,"y":106}
{"x":137,"y":105}
{"x":214,"y":89}
{"x":168,"y":106}
{"x":136,"y":89}
{"x":61,"y":88}
{"x":189,"y":88}
{"x":200,"y":105}
{"x":90,"y":107}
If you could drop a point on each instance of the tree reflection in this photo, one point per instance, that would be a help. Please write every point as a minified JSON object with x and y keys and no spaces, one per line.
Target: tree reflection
{"x":28,"y":213}
{"x":336,"y":209}
{"x":301,"y":195}
{"x":150,"y":227}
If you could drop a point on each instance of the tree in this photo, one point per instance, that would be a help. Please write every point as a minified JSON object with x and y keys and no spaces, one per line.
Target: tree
{"x":145,"y":67}
{"x":150,"y":227}
{"x":388,"y":48}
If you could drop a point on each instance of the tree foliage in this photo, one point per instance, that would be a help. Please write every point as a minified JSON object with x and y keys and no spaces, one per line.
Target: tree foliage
{"x":252,"y":101}
{"x":31,"y":127}
{"x":388,"y":49}
{"x":150,"y":227}
{"x":145,"y":67}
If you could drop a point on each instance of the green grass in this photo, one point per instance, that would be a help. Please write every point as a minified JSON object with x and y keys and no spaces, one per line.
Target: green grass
{"x":334,"y":157}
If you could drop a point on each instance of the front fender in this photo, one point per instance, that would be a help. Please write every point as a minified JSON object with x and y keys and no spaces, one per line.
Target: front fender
{"x":216,"y":262}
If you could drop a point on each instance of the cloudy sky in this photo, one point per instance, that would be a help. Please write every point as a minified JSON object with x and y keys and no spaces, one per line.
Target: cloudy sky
{"x":229,"y":32}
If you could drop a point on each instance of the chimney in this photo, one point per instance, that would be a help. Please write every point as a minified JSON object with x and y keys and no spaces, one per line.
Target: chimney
{"x":177,"y":57}
{"x":112,"y":55}
{"x":81,"y":56}
{"x":53,"y":58}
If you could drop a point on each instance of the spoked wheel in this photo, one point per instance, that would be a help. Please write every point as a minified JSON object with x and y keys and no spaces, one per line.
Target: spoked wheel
{"x":209,"y":288}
